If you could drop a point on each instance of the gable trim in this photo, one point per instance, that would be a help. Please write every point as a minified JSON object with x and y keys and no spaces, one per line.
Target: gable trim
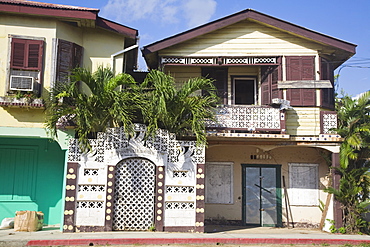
{"x":252,"y":15}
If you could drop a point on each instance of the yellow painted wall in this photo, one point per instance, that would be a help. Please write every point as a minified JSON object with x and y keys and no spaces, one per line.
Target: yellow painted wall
{"x":303,"y":121}
{"x":240,"y":154}
{"x":98,"y":45}
{"x":244,"y":38}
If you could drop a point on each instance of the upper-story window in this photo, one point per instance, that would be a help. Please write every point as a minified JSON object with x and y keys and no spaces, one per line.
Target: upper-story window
{"x":301,"y":68}
{"x":27,"y":61}
{"x":68,"y":56}
{"x":26,"y":64}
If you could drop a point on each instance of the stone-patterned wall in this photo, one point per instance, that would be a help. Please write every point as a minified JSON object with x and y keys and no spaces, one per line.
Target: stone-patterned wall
{"x":179,"y":180}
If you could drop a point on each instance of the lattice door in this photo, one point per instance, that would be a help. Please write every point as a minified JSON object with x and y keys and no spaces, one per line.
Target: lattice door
{"x":134,"y":195}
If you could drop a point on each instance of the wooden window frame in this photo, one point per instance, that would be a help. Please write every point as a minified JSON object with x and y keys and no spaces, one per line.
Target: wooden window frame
{"x":21,"y":58}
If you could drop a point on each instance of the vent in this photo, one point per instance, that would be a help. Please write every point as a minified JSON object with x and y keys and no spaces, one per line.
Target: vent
{"x":22,"y":83}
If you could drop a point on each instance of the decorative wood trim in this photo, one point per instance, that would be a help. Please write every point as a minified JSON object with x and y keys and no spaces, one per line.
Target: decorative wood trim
{"x":200,"y":198}
{"x":159,"y":199}
{"x":256,"y":16}
{"x":262,"y":60}
{"x":323,"y":124}
{"x":70,"y":199}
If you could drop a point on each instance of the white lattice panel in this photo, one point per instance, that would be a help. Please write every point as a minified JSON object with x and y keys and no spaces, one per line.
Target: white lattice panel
{"x":330,"y":121}
{"x":134,"y":195}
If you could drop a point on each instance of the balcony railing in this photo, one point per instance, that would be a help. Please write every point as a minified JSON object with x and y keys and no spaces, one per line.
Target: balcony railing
{"x":243,"y":118}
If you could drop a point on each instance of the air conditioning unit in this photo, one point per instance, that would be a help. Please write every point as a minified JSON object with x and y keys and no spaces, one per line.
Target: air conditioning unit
{"x":21,"y":83}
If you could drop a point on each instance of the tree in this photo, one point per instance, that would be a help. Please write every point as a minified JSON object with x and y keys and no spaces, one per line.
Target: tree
{"x":182,"y":109}
{"x":92,"y":102}
{"x":354,"y":189}
{"x":96,"y":101}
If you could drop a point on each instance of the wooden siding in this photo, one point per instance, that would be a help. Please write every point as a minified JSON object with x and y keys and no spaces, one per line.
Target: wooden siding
{"x":303,"y":121}
{"x":245,"y":38}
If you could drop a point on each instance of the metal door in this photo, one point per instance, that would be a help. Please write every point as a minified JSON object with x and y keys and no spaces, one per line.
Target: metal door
{"x":134,"y":195}
{"x":261,"y":195}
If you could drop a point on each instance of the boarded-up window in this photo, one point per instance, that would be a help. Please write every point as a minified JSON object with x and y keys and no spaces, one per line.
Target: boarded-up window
{"x":18,"y":169}
{"x":219,"y":76}
{"x":69,"y":56}
{"x":303,"y":180}
{"x":219,"y":182}
{"x":26,"y":54}
{"x":301,"y":68}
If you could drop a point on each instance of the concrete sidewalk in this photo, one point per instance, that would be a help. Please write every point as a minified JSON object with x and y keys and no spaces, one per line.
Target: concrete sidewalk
{"x":216,"y":235}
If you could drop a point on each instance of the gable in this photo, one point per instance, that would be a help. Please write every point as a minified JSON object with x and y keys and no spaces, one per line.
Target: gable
{"x":244,"y":38}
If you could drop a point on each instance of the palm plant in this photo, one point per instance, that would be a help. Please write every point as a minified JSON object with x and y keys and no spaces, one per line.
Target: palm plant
{"x":180,"y":109}
{"x":354,"y":189}
{"x":93,"y":102}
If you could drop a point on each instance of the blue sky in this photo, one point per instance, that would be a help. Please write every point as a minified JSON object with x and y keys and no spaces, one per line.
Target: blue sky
{"x":158,"y":19}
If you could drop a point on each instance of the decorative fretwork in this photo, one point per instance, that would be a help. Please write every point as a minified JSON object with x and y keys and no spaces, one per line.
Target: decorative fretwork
{"x":134,"y":195}
{"x":91,"y":172}
{"x":90,"y":188}
{"x":247,"y":117}
{"x":329,"y":121}
{"x":90,"y":204}
{"x":180,"y":205}
{"x":180,"y":189}
{"x":219,"y":60}
{"x":180,"y":174}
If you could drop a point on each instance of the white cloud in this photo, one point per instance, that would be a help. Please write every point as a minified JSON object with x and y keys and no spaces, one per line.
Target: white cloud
{"x":193,"y":12}
{"x":199,"y":12}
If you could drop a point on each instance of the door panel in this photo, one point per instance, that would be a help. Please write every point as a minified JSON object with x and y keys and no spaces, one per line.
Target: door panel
{"x":261,"y":195}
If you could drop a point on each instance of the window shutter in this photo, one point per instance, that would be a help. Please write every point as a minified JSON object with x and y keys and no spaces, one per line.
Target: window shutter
{"x":270,"y":75}
{"x":69,"y":57}
{"x":301,"y":68}
{"x":265,"y":85}
{"x":27,"y":54}
{"x":18,"y":53}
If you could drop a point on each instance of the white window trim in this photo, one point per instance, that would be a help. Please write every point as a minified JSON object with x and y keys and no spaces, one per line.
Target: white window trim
{"x":244,"y":78}
{"x":222,"y":163}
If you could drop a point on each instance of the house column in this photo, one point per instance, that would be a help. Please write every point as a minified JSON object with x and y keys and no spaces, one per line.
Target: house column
{"x":338,"y":213}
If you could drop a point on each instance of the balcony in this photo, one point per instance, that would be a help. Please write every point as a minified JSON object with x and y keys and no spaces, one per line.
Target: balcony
{"x":248,"y":119}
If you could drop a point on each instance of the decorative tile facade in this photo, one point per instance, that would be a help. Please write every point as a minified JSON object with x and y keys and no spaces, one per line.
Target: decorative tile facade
{"x":134,"y":183}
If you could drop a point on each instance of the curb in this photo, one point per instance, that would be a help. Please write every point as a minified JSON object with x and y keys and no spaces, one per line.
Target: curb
{"x":132,"y":241}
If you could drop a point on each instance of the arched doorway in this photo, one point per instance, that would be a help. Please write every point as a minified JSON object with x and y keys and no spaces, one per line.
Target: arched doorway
{"x":134,"y":195}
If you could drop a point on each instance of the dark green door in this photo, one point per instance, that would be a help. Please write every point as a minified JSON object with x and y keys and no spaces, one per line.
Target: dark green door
{"x":262,"y":195}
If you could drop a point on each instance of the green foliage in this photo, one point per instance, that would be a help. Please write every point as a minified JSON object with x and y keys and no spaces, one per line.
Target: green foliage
{"x":180,"y":109}
{"x":354,"y":189}
{"x":92,"y":102}
{"x":95,"y":101}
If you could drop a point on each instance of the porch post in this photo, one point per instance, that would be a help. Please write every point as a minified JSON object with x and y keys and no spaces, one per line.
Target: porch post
{"x":338,"y":214}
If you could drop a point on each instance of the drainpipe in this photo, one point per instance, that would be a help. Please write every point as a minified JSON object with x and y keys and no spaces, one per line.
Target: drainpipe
{"x":122,"y":52}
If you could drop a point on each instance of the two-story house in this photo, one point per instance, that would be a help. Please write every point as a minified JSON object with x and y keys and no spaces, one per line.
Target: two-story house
{"x":40,"y":44}
{"x":269,"y":153}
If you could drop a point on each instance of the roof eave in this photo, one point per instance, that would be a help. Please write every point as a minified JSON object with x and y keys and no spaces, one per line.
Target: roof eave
{"x":252,"y":15}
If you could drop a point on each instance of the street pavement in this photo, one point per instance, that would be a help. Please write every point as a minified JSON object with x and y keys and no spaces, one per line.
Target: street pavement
{"x":215,"y":235}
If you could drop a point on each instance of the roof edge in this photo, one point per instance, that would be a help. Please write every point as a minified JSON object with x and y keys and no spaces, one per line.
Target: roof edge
{"x":253,"y":15}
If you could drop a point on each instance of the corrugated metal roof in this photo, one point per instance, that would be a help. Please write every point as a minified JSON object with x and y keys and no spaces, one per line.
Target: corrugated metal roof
{"x":47,"y":5}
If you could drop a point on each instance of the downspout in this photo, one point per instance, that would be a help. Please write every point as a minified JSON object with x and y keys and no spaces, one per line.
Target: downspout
{"x":122,"y":52}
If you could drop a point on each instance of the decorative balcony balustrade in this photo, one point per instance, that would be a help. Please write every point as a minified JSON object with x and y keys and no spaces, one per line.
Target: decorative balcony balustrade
{"x":243,"y":118}
{"x":329,"y":122}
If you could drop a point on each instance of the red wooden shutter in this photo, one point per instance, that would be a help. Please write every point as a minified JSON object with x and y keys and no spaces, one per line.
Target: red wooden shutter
{"x":265,"y":85}
{"x":26,"y":54}
{"x":301,"y":68}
